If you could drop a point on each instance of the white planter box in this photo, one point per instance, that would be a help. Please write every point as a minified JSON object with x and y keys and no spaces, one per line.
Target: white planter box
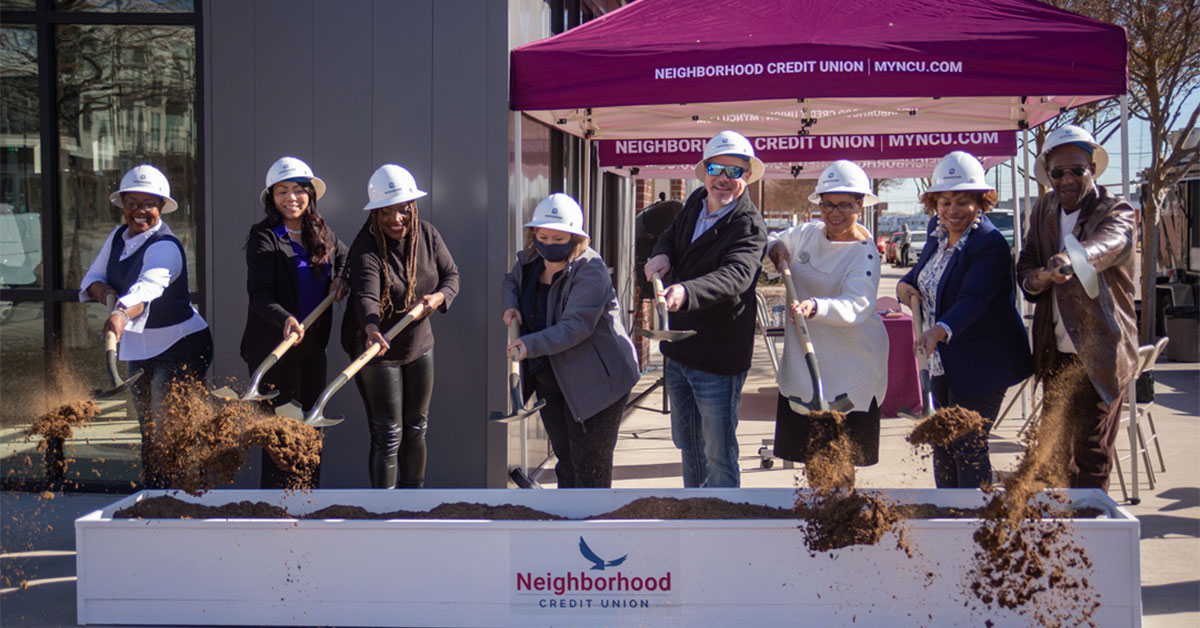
{"x":505,"y":573}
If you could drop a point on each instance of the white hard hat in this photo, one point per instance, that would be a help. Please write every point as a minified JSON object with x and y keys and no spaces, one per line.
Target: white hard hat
{"x":286,"y":168}
{"x":1069,"y":134}
{"x":391,"y":185}
{"x":959,"y":172}
{"x":559,"y":212}
{"x":730,"y":143}
{"x":844,"y":177}
{"x":148,"y":180}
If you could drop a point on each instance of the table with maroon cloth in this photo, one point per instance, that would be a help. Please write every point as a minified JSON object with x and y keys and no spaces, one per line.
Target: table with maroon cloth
{"x":903,"y":387}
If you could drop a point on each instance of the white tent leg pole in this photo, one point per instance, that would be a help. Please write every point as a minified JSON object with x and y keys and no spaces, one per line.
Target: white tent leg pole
{"x":585,"y":184}
{"x":518,"y":212}
{"x":1125,"y":148}
{"x":1027,"y":396}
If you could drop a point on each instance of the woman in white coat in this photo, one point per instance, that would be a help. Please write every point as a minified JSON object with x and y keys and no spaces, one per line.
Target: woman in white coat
{"x":835,"y":267}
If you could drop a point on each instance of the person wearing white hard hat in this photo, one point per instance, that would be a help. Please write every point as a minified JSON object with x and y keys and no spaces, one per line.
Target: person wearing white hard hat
{"x":968,"y":302}
{"x":835,"y":268}
{"x":145,"y":268}
{"x":1071,"y":330}
{"x":397,"y":262}
{"x":712,"y":254}
{"x":293,"y":260}
{"x":576,"y":354}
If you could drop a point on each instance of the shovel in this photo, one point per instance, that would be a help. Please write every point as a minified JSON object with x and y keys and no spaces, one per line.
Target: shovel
{"x":252,"y":393}
{"x":660,"y":306}
{"x":314,"y":417}
{"x":110,"y":354}
{"x":519,"y":411}
{"x":922,"y":364}
{"x":1080,"y":266}
{"x":842,"y":402}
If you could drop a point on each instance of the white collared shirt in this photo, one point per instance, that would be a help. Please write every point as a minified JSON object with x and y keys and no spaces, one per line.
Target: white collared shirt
{"x":706,"y":220}
{"x":161,"y":265}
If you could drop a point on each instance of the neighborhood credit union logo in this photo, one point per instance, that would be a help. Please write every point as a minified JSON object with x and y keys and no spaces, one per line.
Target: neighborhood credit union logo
{"x":615,"y":588}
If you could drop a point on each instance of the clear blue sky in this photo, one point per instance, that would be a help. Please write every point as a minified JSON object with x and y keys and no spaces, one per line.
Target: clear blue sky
{"x":904,"y":198}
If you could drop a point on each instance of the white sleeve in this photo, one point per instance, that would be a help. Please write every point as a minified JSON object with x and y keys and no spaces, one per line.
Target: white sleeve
{"x":792,"y":238}
{"x":161,"y":265}
{"x":857,"y":300}
{"x":98,"y":271}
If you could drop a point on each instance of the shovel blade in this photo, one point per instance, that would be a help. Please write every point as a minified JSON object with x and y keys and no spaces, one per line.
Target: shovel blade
{"x":226,"y":393}
{"x":666,"y":335}
{"x":799,"y":406}
{"x":325,"y":421}
{"x":291,"y":410}
{"x":254,"y":395}
{"x":118,"y":389}
{"x":841,"y":403}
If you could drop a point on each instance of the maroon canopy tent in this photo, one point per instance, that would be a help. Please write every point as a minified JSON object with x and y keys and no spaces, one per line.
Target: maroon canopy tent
{"x":662,"y":68}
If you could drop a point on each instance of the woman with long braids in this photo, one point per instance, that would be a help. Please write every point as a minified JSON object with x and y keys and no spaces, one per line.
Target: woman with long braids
{"x":293,"y":261}
{"x":397,"y":261}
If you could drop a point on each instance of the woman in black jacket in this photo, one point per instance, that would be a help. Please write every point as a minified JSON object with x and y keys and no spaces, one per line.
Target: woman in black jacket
{"x":293,"y":261}
{"x":396,"y":263}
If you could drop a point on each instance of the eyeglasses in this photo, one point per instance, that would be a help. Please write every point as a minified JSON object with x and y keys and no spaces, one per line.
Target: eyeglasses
{"x":733,"y":172}
{"x":133,"y":205}
{"x":844,"y":208}
{"x":1076,"y":171}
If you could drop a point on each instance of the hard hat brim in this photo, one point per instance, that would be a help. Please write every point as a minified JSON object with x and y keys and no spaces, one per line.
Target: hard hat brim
{"x":1099,"y":157}
{"x":557,"y":226}
{"x":963,"y":186}
{"x":868,"y":200}
{"x":388,"y":201}
{"x":756,"y":168}
{"x":168,"y":206}
{"x":317,"y":183}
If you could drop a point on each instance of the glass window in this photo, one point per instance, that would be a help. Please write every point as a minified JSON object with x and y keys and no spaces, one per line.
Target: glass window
{"x":122,"y":91}
{"x":20,"y":160}
{"x":18,"y":5}
{"x":23,"y":382}
{"x":126,"y":6}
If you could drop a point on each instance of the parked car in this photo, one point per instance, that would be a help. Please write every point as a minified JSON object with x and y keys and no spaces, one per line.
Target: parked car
{"x":1003,"y":220}
{"x":881,"y":244}
{"x":910,"y":251}
{"x":895,"y":241}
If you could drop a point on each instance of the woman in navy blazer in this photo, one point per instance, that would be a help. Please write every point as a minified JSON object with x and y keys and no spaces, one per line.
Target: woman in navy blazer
{"x":974,"y":336}
{"x":293,"y":259}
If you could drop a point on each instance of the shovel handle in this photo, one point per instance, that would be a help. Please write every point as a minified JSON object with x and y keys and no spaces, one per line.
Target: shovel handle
{"x":317,"y":312}
{"x":810,"y":354}
{"x":922,"y":359}
{"x":514,"y":365}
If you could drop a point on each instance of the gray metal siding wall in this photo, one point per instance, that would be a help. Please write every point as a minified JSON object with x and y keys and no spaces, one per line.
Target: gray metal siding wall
{"x":348,"y":85}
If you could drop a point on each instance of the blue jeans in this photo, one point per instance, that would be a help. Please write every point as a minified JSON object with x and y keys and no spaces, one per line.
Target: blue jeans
{"x":704,"y":417}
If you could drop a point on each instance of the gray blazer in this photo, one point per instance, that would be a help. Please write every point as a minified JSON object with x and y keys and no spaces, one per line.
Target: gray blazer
{"x":590,"y":353}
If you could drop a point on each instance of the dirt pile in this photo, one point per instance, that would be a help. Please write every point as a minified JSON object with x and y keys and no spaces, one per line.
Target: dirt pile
{"x":1028,"y":561}
{"x":203,"y":442}
{"x":945,"y":426}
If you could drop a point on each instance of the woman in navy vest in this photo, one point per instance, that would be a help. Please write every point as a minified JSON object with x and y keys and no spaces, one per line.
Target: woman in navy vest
{"x":143,"y":265}
{"x":974,"y":336}
{"x":293,"y":260}
{"x":397,"y":262}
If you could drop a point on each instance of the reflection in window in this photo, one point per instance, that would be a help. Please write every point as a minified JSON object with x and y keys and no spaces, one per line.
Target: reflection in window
{"x":20,"y":160}
{"x":18,"y":5}
{"x":126,"y":97}
{"x":126,"y":6}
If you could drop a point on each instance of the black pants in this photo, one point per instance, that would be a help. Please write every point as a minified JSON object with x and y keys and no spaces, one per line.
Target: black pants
{"x":298,"y":376}
{"x":186,"y":360}
{"x":397,"y":400}
{"x":964,"y":463}
{"x":584,"y":450}
{"x":795,"y":432}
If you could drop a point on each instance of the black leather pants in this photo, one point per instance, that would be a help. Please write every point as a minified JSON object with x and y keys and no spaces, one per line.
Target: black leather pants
{"x":397,"y":401}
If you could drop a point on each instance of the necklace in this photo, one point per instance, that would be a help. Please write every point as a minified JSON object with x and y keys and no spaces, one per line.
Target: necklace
{"x":293,"y":231}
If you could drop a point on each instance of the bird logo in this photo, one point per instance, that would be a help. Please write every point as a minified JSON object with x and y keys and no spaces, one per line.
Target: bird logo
{"x":597,"y":562}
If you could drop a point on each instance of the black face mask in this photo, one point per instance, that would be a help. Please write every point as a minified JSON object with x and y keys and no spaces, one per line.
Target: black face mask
{"x":554,"y":252}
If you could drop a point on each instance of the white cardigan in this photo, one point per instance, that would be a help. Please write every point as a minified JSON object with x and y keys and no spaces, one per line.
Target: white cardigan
{"x":847,"y":334}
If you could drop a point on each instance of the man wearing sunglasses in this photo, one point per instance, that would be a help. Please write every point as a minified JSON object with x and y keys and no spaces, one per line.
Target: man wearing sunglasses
{"x":711,"y":254}
{"x":1071,"y":330}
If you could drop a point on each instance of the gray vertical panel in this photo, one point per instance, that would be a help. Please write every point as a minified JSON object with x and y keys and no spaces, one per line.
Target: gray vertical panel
{"x":461,"y":162}
{"x":401,"y":75}
{"x":342,"y":144}
{"x":232,"y":171}
{"x":283,"y":82}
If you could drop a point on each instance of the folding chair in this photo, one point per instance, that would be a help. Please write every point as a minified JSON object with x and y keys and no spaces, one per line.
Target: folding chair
{"x":1132,"y":413}
{"x":769,"y":333}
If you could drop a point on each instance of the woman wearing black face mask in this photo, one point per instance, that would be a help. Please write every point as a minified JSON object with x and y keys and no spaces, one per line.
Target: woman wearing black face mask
{"x":577,"y":355}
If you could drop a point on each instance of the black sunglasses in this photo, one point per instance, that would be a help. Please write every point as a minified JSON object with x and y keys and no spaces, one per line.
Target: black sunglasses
{"x":733,"y":172}
{"x":1076,"y":171}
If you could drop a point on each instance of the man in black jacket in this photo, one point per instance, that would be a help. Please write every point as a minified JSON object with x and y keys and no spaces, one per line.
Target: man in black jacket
{"x":713,"y":251}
